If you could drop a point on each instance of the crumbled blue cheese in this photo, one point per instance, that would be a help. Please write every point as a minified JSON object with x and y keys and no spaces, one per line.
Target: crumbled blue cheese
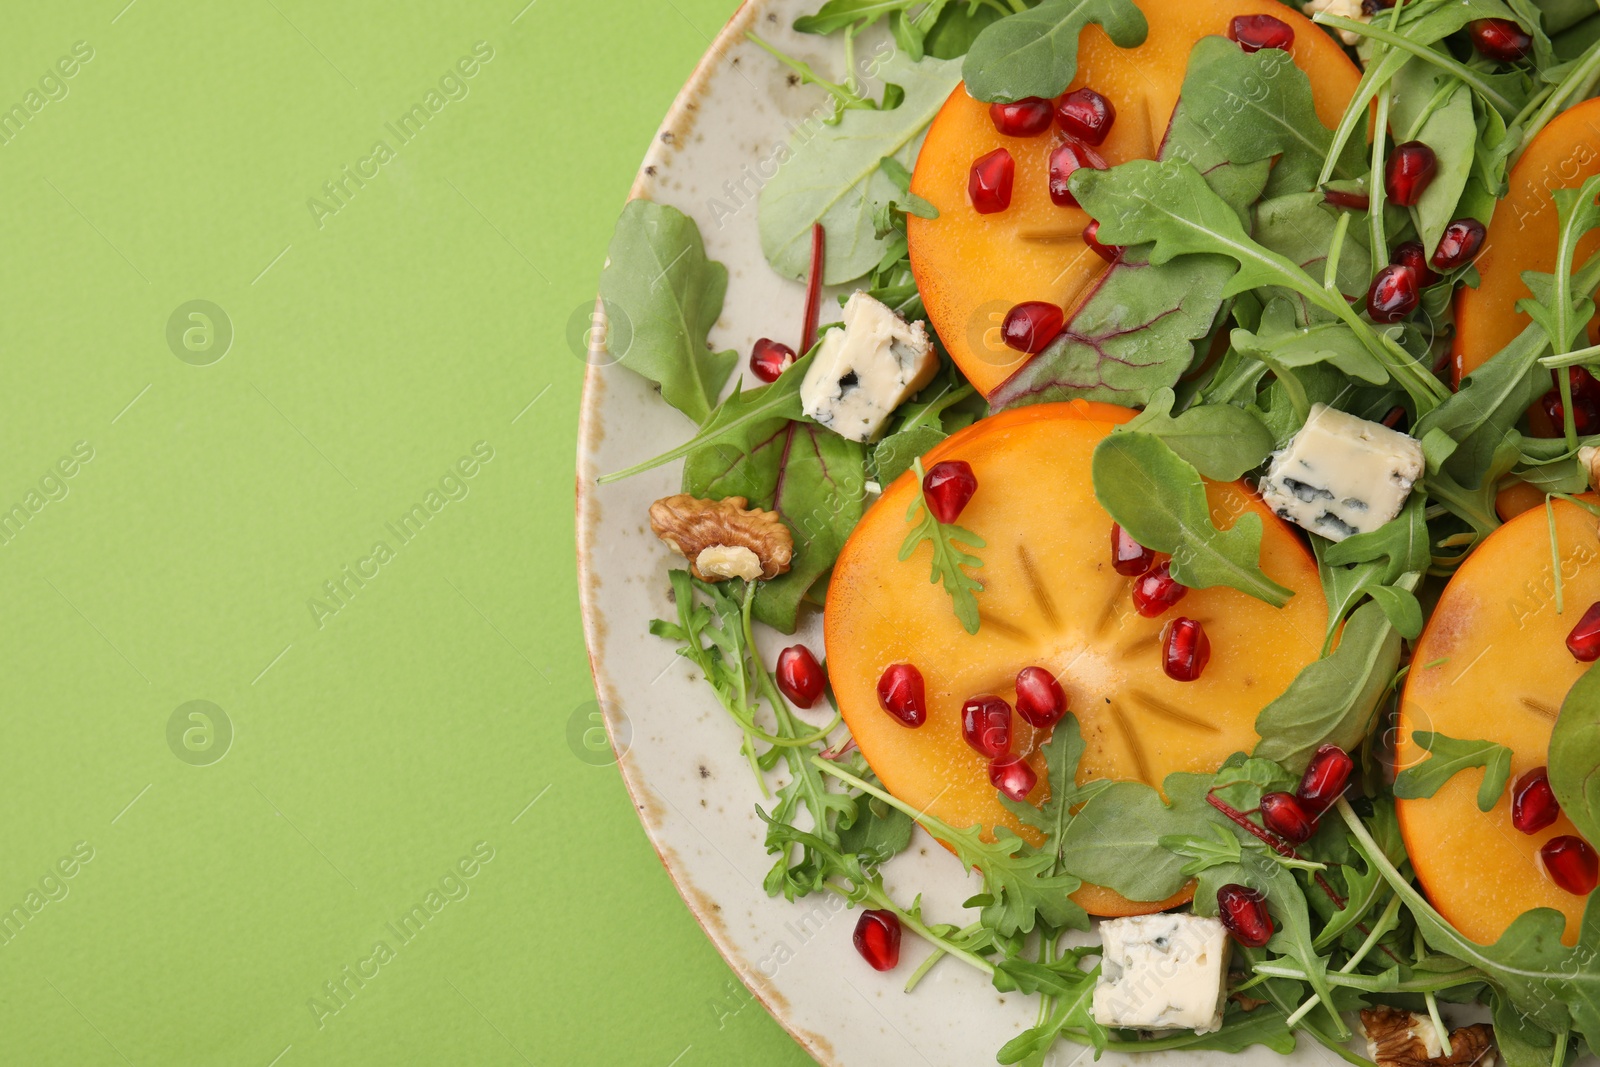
{"x":1162,"y":972}
{"x":1342,"y":475}
{"x":864,"y":371}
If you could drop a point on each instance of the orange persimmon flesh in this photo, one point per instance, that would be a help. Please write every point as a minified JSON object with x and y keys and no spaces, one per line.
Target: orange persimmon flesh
{"x":1052,"y":599}
{"x":1522,"y":235}
{"x":971,"y":269}
{"x":1493,"y":665}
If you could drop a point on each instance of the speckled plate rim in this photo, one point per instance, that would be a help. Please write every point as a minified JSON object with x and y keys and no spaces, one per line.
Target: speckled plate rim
{"x":678,"y":118}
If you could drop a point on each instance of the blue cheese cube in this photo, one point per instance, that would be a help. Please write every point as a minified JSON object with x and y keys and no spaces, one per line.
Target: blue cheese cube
{"x":1162,"y":972}
{"x":864,"y":371}
{"x":1342,"y":475}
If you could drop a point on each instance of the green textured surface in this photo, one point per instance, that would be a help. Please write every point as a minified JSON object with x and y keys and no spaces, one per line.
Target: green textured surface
{"x":376,"y":745}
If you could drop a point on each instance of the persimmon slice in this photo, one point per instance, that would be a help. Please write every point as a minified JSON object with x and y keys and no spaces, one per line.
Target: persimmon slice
{"x":1053,"y":600}
{"x":1522,"y":235}
{"x":1493,"y":665}
{"x":972,"y":268}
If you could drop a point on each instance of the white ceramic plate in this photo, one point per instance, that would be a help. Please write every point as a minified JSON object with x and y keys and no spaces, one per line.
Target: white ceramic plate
{"x":677,"y":751}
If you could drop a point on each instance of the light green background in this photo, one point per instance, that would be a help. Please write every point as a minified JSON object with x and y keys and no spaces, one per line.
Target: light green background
{"x":377,"y":745}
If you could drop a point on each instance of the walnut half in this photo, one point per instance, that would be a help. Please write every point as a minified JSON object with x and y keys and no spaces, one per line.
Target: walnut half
{"x":723,"y":538}
{"x":1404,"y":1039}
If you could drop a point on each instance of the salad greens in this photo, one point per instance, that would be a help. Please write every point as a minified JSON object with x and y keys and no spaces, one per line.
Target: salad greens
{"x":951,"y":560}
{"x":1235,"y":305}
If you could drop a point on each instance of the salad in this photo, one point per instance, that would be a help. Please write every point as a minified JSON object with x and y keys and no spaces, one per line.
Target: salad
{"x":1193,"y":478}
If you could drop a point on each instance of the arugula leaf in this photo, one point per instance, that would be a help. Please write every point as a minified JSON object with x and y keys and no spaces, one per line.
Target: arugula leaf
{"x":1247,"y":106}
{"x":658,"y":274}
{"x":1334,"y":698}
{"x":1431,"y":106}
{"x":834,"y":175}
{"x":1073,"y":1009}
{"x":739,"y":423}
{"x":1169,"y":206}
{"x":1062,"y":753}
{"x":1035,"y":52}
{"x":1447,"y":757}
{"x":1160,"y":500}
{"x":913,"y":204}
{"x":1115,"y":840}
{"x":1549,"y":984}
{"x":949,"y":558}
{"x":922,"y":423}
{"x":813,"y":478}
{"x":714,"y":633}
{"x":1574,"y":765}
{"x":1220,"y":440}
{"x":1288,"y":903}
{"x":1203,"y":852}
{"x":878,"y":832}
{"x":1363,"y":883}
{"x":1280,"y":340}
{"x":1021,"y":886}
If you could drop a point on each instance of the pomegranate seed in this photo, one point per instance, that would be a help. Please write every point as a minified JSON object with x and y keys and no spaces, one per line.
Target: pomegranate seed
{"x":1032,"y":325}
{"x":1040,"y":699}
{"x":1027,"y":117}
{"x":1410,"y":170}
{"x":1571,"y":863}
{"x":1091,"y":234}
{"x":1285,"y":816}
{"x":1129,"y":557}
{"x":1346,"y":199}
{"x":1393,"y":294}
{"x":986,"y":726}
{"x":769,"y":359}
{"x":1243,"y":912}
{"x":1586,"y":415}
{"x":800,"y":676}
{"x":1156,"y":590}
{"x":1584,"y":640}
{"x":1500,"y":39}
{"x":1411,"y":256}
{"x":1533,"y":802}
{"x":1458,"y":244}
{"x":947,"y":487}
{"x":1185,"y":650}
{"x":989,"y":182}
{"x":1584,"y":384}
{"x":901,"y":694}
{"x":1086,"y":115}
{"x":1325,"y":778}
{"x":1255,"y":32}
{"x":1069,"y":157}
{"x":1013,"y":777}
{"x":877,"y":938}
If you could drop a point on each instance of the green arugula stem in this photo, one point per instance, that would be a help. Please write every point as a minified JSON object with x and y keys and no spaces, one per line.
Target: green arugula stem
{"x":1465,"y":504}
{"x":938,"y":954}
{"x":880,"y":898}
{"x":1473,"y":79}
{"x":1439,"y":1028}
{"x":841,"y":93}
{"x":1377,"y":188}
{"x":1330,"y":267}
{"x":1384,"y":924}
{"x":1571,"y":359}
{"x":930,"y":413}
{"x":1376,"y":983}
{"x":1587,"y":66}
